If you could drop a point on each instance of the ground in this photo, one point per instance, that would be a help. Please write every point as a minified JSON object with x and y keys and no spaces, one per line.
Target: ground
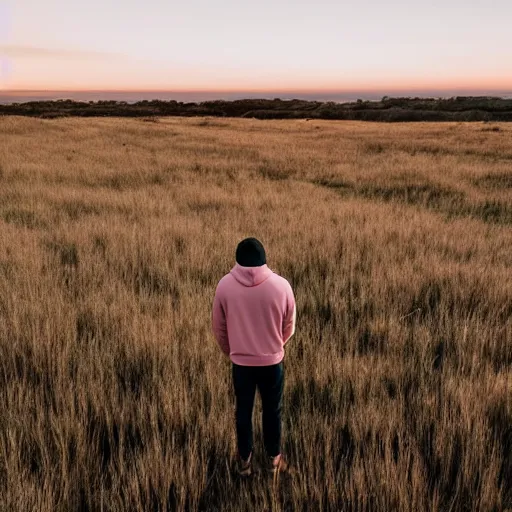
{"x":397,"y":241}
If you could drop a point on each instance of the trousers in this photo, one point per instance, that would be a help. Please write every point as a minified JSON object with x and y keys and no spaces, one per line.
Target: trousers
{"x":269,"y":380}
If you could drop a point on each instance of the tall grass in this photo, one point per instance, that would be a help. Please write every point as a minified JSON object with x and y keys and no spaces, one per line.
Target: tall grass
{"x":397,"y":242}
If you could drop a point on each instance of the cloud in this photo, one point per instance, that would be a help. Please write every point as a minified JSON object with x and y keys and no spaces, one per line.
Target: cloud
{"x":34,"y":52}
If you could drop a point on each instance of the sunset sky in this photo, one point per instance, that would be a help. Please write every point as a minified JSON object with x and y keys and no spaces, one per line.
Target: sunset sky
{"x":255,"y":45}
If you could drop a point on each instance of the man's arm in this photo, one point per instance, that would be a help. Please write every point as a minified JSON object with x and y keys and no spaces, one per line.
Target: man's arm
{"x":219,"y":324}
{"x":290,"y":316}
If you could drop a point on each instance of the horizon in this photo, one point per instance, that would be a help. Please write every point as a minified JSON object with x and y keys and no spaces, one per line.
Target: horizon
{"x":132,"y":96}
{"x":279,"y":45}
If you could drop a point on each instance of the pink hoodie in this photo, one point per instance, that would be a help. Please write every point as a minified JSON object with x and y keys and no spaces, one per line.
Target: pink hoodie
{"x":253,"y":315}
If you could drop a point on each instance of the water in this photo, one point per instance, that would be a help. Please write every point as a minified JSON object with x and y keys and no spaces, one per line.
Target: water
{"x":7,"y":97}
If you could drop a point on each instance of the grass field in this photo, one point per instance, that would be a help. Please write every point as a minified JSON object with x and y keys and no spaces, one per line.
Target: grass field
{"x":397,"y":241}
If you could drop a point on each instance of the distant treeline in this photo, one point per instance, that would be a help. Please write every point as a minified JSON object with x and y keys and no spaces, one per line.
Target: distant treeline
{"x":461,"y":108}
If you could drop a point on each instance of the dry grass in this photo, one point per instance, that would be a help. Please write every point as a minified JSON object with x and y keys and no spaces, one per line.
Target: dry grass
{"x":397,"y":240}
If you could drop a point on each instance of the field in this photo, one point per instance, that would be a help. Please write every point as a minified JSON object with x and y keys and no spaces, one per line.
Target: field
{"x":397,"y":241}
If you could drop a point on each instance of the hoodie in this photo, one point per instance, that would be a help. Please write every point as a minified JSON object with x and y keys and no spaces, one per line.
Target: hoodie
{"x":253,"y":315}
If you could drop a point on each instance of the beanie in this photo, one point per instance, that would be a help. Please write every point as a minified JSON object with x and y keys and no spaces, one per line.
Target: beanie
{"x":250,"y":253}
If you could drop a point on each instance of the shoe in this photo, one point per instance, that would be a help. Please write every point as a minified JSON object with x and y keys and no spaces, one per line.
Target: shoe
{"x":245,"y":466}
{"x":277,"y":465}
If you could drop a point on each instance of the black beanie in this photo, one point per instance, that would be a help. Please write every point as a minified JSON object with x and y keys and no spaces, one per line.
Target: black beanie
{"x":250,"y":253}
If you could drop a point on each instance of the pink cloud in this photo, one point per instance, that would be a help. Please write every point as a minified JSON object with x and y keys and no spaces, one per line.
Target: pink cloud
{"x":31,"y":52}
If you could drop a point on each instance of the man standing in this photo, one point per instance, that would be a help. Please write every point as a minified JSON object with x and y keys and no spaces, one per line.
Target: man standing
{"x":253,"y":317}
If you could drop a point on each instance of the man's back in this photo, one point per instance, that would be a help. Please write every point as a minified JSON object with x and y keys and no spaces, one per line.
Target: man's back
{"x":253,"y":315}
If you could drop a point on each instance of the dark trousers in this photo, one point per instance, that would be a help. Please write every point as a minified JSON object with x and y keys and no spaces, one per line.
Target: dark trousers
{"x":270,"y":382}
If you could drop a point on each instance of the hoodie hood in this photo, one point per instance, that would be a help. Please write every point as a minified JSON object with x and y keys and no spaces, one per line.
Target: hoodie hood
{"x":251,"y":276}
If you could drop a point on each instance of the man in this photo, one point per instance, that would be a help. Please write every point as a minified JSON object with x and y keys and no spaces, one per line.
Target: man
{"x":253,"y":318}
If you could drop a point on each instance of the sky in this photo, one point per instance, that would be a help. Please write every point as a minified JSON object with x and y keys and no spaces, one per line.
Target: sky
{"x":327,"y":45}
